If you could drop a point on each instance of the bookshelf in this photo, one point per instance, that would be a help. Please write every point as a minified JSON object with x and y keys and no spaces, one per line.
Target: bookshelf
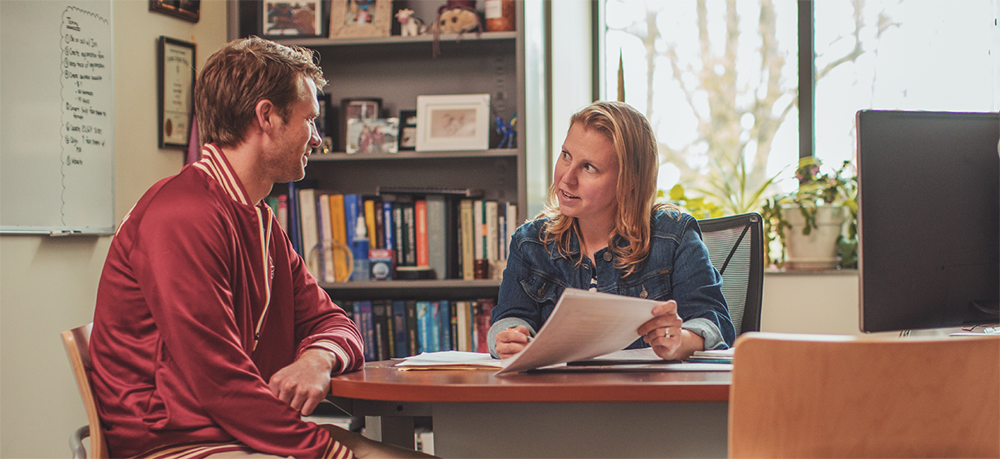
{"x":397,"y":69}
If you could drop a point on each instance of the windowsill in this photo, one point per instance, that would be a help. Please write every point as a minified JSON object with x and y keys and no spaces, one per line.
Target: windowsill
{"x":809,"y":272}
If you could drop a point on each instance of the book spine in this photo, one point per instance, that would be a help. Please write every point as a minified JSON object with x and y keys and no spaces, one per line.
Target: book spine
{"x":399,"y":328}
{"x":490,"y":210}
{"x":468,"y":248}
{"x":444,"y":326}
{"x":453,"y":325}
{"x":462,"y":318}
{"x":437,"y":242}
{"x":412,"y":339}
{"x":293,"y":218}
{"x":367,"y":328}
{"x":387,"y":222}
{"x":479,"y":229}
{"x":511,"y":227}
{"x":369,"y":206}
{"x":282,"y":212}
{"x":310,"y":234}
{"x":397,"y":221}
{"x":409,"y":235}
{"x":424,"y":326}
{"x":338,"y":227}
{"x":326,"y":237}
{"x":383,"y":335}
{"x":420,"y":229}
{"x":484,"y":311}
{"x":379,"y":235}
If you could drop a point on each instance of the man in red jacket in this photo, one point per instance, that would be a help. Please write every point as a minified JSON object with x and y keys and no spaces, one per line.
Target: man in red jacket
{"x":210,"y":335}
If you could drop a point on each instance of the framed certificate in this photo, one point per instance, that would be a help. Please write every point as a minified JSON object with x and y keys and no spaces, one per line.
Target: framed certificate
{"x":176,"y":74}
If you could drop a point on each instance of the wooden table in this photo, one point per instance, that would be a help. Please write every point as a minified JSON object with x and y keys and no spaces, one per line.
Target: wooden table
{"x":478,"y":414}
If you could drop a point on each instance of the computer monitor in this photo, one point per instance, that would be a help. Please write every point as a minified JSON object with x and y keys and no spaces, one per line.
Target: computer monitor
{"x":928,"y":219}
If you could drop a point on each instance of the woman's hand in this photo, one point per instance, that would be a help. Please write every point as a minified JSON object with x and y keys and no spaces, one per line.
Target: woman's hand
{"x":512,"y":340}
{"x":664,"y":333}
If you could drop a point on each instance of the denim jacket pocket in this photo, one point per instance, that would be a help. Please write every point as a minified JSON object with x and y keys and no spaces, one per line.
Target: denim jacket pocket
{"x":542,"y":289}
{"x":654,"y":286}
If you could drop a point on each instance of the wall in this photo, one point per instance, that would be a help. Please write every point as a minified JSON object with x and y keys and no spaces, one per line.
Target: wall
{"x":48,"y":285}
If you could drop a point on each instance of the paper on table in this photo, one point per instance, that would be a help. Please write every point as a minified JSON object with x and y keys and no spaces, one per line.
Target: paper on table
{"x":584,"y":324}
{"x":449,"y":360}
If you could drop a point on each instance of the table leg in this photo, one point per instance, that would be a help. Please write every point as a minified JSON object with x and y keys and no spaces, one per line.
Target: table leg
{"x":394,"y":430}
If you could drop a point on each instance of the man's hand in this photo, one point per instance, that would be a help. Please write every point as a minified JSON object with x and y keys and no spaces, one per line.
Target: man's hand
{"x":305,"y":382}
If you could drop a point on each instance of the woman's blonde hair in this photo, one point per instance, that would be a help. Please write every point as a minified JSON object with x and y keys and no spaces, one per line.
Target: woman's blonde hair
{"x":638,"y":164}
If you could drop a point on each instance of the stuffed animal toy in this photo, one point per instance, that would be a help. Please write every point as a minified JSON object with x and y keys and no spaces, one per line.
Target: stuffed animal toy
{"x":456,"y":16}
{"x":410,"y":25}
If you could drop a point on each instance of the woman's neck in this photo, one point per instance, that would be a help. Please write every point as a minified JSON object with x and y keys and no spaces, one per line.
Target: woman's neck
{"x":593,"y":238}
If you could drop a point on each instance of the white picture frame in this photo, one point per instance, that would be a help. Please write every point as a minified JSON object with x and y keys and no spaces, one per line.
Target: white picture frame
{"x":453,"y":122}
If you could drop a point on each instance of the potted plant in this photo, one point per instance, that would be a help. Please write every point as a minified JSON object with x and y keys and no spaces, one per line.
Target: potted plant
{"x":815,"y":225}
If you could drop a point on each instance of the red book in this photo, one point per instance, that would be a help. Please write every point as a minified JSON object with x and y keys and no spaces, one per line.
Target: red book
{"x":483,"y":319}
{"x":423,"y":256}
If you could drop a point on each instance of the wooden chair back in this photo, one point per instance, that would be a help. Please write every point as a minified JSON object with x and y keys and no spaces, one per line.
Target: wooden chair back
{"x":825,"y":396}
{"x":77,"y":342}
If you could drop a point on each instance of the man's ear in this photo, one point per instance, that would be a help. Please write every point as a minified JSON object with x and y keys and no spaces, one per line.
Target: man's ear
{"x":265,"y":113}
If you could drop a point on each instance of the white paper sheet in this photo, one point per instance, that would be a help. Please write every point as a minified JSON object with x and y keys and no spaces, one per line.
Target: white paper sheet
{"x":584,"y":324}
{"x":449,"y":360}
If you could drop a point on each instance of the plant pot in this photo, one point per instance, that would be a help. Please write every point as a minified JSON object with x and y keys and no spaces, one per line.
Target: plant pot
{"x":818,"y":249}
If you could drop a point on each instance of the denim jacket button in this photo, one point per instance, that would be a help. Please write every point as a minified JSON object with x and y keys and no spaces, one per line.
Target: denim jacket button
{"x":643,"y":294}
{"x":607,"y":256}
{"x":541,"y":291}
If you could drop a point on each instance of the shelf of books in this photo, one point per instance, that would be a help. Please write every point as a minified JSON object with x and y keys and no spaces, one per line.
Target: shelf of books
{"x":405,"y":327}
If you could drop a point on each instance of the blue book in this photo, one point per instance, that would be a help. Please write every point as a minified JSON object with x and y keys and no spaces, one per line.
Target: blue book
{"x":390,"y":228}
{"x":353,"y":206}
{"x":366,"y":325}
{"x":399,"y":327}
{"x":444,"y":326}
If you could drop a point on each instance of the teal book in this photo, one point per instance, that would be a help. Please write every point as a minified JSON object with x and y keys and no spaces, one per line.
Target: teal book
{"x":444,"y":326}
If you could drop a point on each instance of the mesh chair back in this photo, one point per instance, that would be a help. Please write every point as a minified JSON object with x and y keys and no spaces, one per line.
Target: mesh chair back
{"x":736,"y":248}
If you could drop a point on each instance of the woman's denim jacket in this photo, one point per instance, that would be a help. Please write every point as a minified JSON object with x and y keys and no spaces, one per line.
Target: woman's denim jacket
{"x":677,"y":267}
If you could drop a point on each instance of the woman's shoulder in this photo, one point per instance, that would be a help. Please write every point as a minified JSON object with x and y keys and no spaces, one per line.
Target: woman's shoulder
{"x":531,"y":228}
{"x":669,"y":219}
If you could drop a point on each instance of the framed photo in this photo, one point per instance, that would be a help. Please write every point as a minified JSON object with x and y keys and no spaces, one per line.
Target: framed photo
{"x":360,"y":18}
{"x":407,"y":130}
{"x":365,"y":108}
{"x":372,"y":135}
{"x":188,"y":10}
{"x":175,"y":75}
{"x":459,"y":122}
{"x":294,"y":18}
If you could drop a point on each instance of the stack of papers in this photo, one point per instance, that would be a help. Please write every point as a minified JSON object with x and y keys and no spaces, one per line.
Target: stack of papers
{"x":450,"y":360}
{"x":712,"y":356}
{"x":583,"y":325}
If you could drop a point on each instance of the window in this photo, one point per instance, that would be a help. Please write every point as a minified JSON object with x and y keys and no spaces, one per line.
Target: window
{"x":718,"y":79}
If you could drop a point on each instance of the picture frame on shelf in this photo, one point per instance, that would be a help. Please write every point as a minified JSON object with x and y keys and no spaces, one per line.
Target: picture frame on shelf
{"x":407,"y":130}
{"x":372,"y":135}
{"x":360,"y":18}
{"x":175,"y":96}
{"x":453,"y":122}
{"x":188,"y":10}
{"x":361,"y":108}
{"x":292,"y":19}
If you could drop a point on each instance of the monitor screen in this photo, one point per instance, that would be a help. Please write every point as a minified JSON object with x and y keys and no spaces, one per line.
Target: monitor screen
{"x":928,"y":219}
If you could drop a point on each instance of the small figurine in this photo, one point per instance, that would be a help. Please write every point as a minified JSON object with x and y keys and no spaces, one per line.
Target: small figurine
{"x":410,"y":25}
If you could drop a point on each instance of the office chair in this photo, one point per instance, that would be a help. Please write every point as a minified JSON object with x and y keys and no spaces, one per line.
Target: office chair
{"x":736,"y":248}
{"x":77,"y":343}
{"x":842,"y":396}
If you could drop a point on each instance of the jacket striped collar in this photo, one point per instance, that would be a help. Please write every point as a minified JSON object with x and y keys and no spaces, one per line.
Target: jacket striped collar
{"x":215,"y":164}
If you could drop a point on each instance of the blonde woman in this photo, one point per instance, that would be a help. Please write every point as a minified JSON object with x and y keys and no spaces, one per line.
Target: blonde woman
{"x":602,"y":230}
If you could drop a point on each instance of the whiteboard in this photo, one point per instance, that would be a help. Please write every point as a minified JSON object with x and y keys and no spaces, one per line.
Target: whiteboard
{"x":56,"y":117}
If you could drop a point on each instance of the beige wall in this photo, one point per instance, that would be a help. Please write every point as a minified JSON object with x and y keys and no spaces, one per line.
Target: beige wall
{"x":48,"y":285}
